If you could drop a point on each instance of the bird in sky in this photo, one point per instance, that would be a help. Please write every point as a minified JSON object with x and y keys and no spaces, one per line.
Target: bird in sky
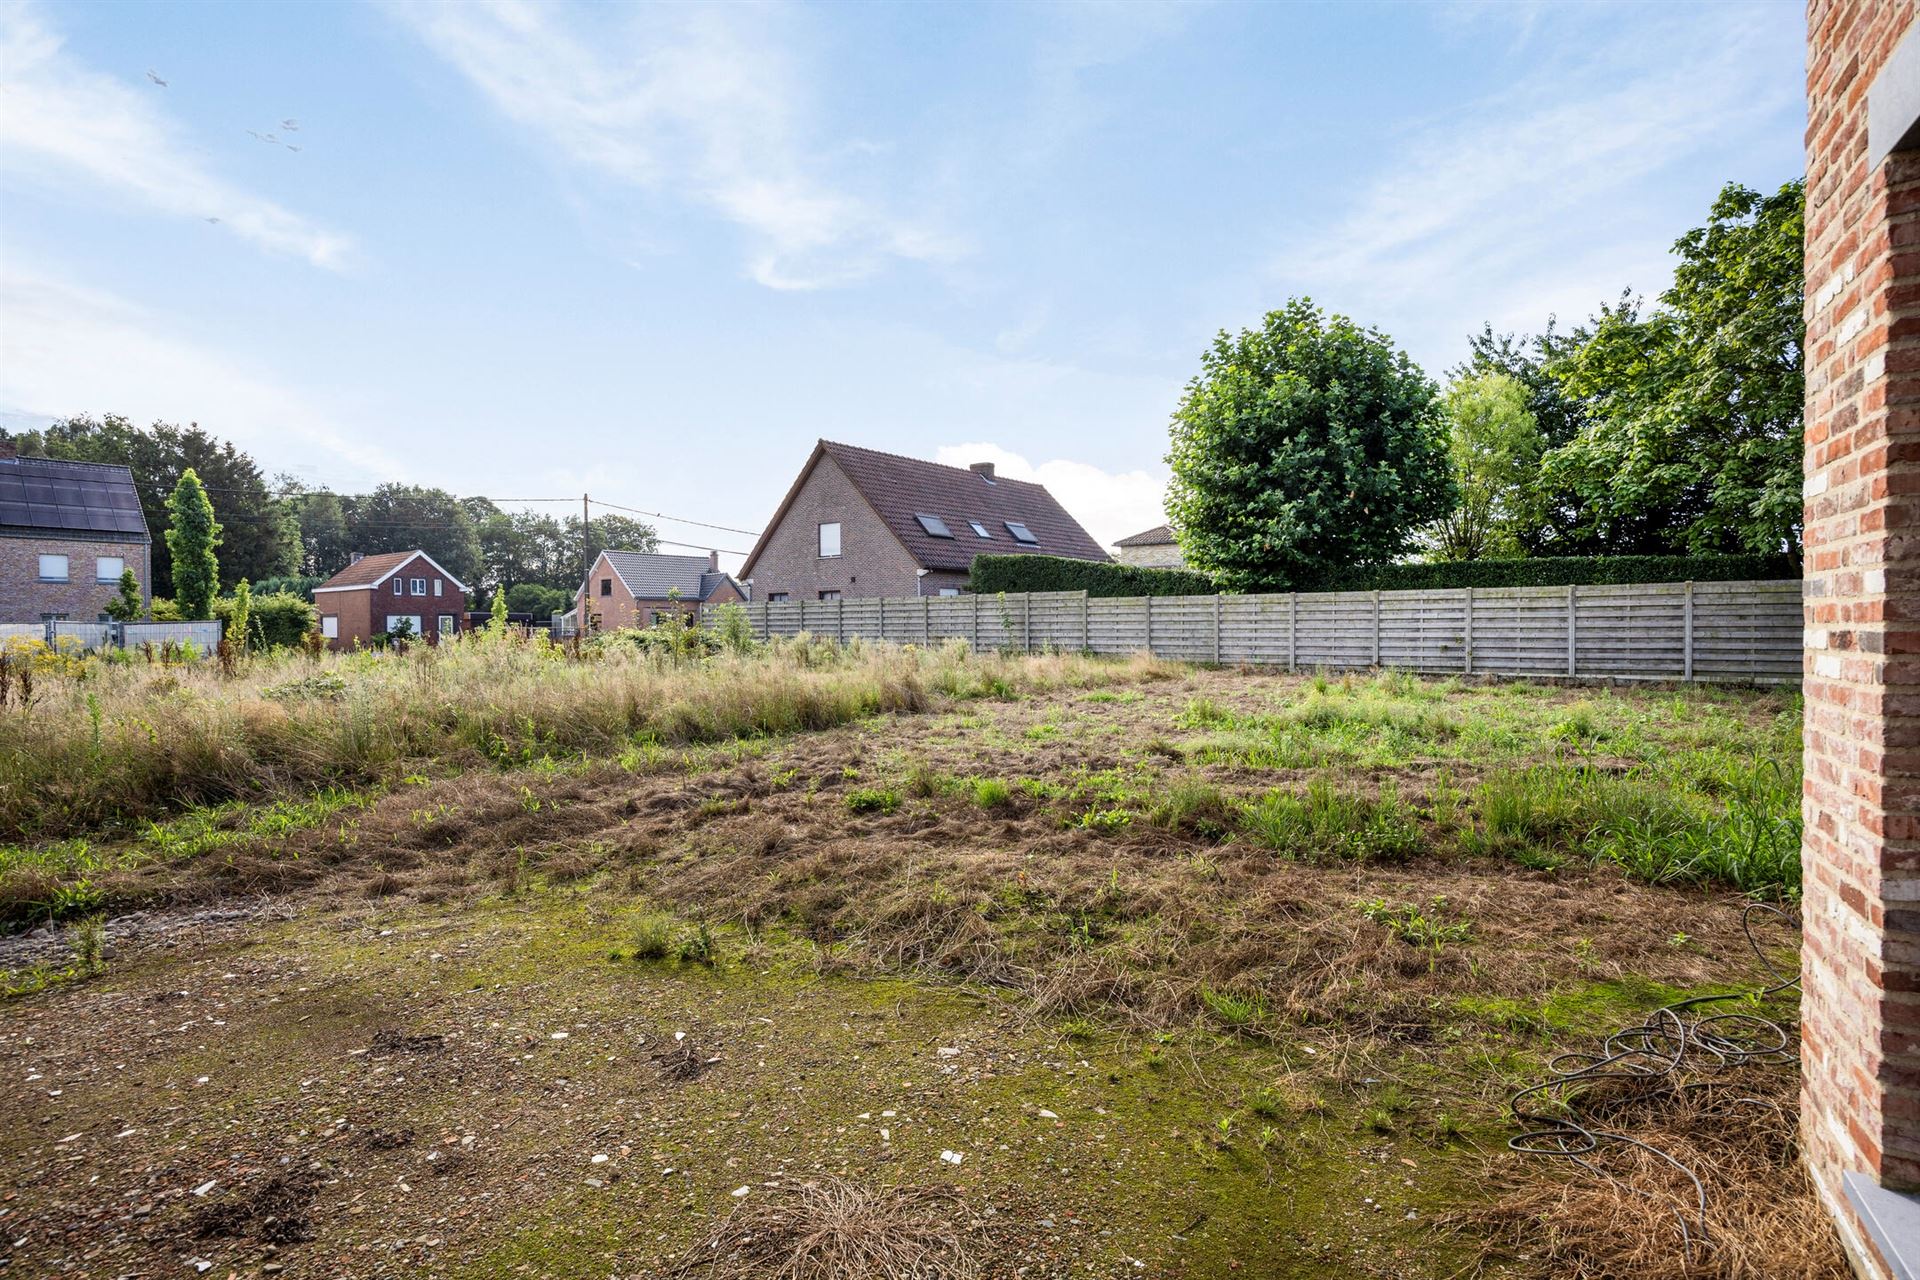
{"x":291,"y":126}
{"x":156,"y":79}
{"x":213,"y":221}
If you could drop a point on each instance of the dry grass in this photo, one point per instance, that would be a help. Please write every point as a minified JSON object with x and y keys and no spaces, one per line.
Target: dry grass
{"x":833,"y":1229}
{"x":111,"y":743}
{"x":1762,"y":1221}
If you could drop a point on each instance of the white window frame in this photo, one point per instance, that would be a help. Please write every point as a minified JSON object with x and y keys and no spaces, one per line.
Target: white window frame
{"x":414,"y":618}
{"x":399,"y":586}
{"x":824,"y":553}
{"x":100,"y":574}
{"x":330,"y":625}
{"x":416,"y":586}
{"x":979,"y":530}
{"x":437,"y":584}
{"x":66,"y":568}
{"x":448,"y":624}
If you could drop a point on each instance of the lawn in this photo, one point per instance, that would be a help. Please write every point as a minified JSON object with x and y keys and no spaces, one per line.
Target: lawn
{"x":502,"y":962}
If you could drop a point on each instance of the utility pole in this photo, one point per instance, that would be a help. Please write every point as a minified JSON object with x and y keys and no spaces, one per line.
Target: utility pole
{"x":586,"y":567}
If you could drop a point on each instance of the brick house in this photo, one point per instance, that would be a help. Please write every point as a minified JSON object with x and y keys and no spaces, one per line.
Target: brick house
{"x":67,"y":531}
{"x":1155,"y":549}
{"x":1860,"y":954}
{"x":861,"y":523}
{"x":635,"y":588}
{"x":373,"y":594}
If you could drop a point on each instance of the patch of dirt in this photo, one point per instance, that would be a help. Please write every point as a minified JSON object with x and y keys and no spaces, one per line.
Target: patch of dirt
{"x":278,"y":1213}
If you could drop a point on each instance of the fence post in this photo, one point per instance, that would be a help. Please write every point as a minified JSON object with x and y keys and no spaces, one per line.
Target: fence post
{"x":1293,"y":631}
{"x":1467,"y":638}
{"x":974,"y":639}
{"x":1147,"y":602}
{"x":1026,"y":621}
{"x":1572,"y":604}
{"x":1216,"y":629}
{"x":1086,"y":632}
{"x":1376,"y":626}
{"x":926,"y":621}
{"x":1686,"y":632}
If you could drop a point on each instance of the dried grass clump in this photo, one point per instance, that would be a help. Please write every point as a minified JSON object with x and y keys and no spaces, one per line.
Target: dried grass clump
{"x":833,"y":1229}
{"x":1763,"y":1220}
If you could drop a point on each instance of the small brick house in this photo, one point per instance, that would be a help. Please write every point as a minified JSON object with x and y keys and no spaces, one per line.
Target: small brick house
{"x":637,"y":588}
{"x":1156,"y":548}
{"x":374,"y":594}
{"x":67,"y":532}
{"x":1860,"y":856}
{"x":859,"y":523}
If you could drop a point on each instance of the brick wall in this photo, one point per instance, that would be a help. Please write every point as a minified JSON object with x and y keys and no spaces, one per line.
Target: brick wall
{"x":1157,"y":556}
{"x":871,"y":561}
{"x":1861,"y":959}
{"x":362,"y":612}
{"x":24,"y":598}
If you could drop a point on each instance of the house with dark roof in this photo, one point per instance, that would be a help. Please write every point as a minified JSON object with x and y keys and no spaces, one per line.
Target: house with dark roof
{"x":1156,"y":548}
{"x":638,"y":588}
{"x":861,"y":523}
{"x":387,"y":593}
{"x":67,"y":532}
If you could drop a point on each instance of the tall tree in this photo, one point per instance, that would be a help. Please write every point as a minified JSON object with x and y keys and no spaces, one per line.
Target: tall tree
{"x":405,"y":517}
{"x":325,"y":543}
{"x":192,"y":535}
{"x":1494,"y":445}
{"x":256,"y":543}
{"x":1305,"y":445}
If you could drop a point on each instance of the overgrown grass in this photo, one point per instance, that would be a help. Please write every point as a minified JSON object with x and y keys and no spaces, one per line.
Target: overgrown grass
{"x":1329,"y":822}
{"x":109,"y":744}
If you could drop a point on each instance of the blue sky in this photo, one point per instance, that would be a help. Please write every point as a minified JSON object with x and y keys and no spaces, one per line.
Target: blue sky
{"x":654,"y":252}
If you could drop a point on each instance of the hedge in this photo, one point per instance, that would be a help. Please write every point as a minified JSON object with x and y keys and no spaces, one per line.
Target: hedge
{"x":279,"y":619}
{"x":299,"y":585}
{"x":993,"y":574}
{"x":1053,"y":573}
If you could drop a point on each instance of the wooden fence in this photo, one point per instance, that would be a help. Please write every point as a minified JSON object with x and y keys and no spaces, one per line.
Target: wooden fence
{"x":1740,"y":631}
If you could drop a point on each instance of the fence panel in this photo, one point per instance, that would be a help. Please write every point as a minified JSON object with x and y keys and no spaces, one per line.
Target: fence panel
{"x":1746,"y":631}
{"x":22,"y":631}
{"x":203,"y":636}
{"x":80,"y":635}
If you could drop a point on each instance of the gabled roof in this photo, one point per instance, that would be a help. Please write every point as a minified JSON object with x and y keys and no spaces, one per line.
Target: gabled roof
{"x":1159,"y":536}
{"x":371,"y":571}
{"x":650,"y":576}
{"x":901,"y":489}
{"x":51,"y":494}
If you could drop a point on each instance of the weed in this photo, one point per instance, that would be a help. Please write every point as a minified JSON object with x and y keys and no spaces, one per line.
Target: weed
{"x":90,"y":943}
{"x":1105,"y":820}
{"x":1236,"y":1010}
{"x":873,"y":800}
{"x":700,"y":947}
{"x":653,"y":937}
{"x":991,"y":793}
{"x":1328,"y":821}
{"x":1416,"y":927}
{"x":1196,"y":807}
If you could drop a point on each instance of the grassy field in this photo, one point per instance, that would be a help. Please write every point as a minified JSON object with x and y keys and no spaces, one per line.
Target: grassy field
{"x":617,"y":964}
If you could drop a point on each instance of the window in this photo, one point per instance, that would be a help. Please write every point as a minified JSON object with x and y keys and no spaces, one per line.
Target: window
{"x":830,"y":539}
{"x":949,"y":591}
{"x":411,"y":620}
{"x":437,"y":584}
{"x":1022,"y":534}
{"x":829,"y":595}
{"x":419,"y":586}
{"x":399,"y":587}
{"x":330,"y":627}
{"x":53,"y":568}
{"x":979,"y":530}
{"x":109,"y":568}
{"x":448,"y":624}
{"x":776,"y":597}
{"x":606,"y":586}
{"x":935,"y":526}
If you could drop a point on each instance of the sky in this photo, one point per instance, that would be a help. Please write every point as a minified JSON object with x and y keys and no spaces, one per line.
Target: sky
{"x":652,"y":252}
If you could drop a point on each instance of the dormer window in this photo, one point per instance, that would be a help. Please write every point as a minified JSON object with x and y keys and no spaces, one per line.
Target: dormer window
{"x":935,"y":526}
{"x":979,"y":530}
{"x":1022,"y":534}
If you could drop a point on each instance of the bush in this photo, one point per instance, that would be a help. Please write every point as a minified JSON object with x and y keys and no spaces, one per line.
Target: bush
{"x":993,"y":574}
{"x":300,"y":585}
{"x":280,"y":620}
{"x":1052,"y":573}
{"x":541,"y":602}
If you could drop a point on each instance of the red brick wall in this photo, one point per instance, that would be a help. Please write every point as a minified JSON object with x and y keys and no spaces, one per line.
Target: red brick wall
{"x":363,"y":611}
{"x":1861,"y":960}
{"x":24,"y":598}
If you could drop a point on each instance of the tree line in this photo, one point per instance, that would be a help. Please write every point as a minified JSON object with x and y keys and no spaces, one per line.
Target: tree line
{"x":1310,"y":445}
{"x":283,"y":533}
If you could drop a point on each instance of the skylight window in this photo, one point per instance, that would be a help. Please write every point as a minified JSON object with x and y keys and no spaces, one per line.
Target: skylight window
{"x":935,"y":526}
{"x":979,"y":530}
{"x":1022,"y":534}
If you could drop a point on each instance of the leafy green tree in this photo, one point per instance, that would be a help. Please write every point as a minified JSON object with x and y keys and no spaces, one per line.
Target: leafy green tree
{"x":256,"y":541}
{"x":126,"y":605}
{"x":497,"y":624}
{"x":239,"y":618}
{"x":541,"y":602}
{"x":1689,"y":438}
{"x":1494,"y":445}
{"x":192,"y":535}
{"x":1305,"y":445}
{"x":321,"y":521}
{"x":404,"y":517}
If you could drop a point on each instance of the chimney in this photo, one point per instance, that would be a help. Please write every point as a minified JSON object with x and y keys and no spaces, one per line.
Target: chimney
{"x":713,"y":562}
{"x":983,"y":469}
{"x":354,"y":557}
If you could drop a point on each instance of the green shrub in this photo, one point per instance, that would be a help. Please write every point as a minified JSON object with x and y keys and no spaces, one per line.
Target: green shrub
{"x":873,"y":800}
{"x":276,"y":621}
{"x":1556,"y":571}
{"x":1327,"y":821}
{"x":991,"y":793}
{"x":992,"y":574}
{"x":300,"y":585}
{"x":653,"y":937}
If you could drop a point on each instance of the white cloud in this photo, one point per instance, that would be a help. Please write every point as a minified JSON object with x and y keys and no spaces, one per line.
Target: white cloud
{"x":1524,"y":200}
{"x":1109,"y":505}
{"x":71,"y":350}
{"x":62,"y":123}
{"x":699,"y":103}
